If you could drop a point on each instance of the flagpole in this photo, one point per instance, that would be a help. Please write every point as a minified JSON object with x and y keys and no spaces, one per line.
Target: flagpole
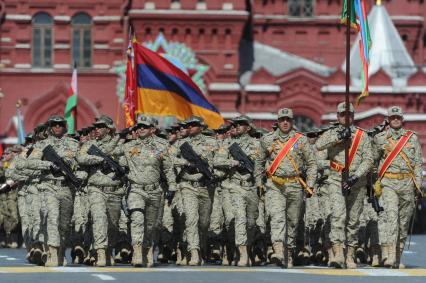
{"x":76,"y":102}
{"x":345,"y":174}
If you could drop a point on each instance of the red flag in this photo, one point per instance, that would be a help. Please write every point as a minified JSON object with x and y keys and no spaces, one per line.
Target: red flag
{"x":129,"y":103}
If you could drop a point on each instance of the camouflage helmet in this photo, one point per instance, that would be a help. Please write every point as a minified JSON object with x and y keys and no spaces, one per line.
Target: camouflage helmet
{"x":222,"y":129}
{"x":208,"y":132}
{"x":56,"y":119}
{"x":195,"y":120}
{"x":243,"y":118}
{"x":144,"y":120}
{"x":104,"y":120}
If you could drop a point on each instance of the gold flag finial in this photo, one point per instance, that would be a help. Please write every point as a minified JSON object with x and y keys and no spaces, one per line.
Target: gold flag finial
{"x":378,"y":2}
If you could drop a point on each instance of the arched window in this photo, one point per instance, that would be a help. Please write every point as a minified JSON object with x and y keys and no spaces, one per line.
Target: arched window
{"x":42,"y":40}
{"x":301,"y":8}
{"x":303,"y":123}
{"x":82,"y":40}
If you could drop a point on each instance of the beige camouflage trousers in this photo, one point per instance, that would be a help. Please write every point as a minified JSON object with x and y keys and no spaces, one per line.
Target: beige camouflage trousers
{"x":246,"y":210}
{"x":345,"y":211}
{"x":58,"y":200}
{"x":398,"y":202}
{"x":144,"y":204}
{"x":284,"y":204}
{"x":82,"y":230}
{"x":197,"y":204}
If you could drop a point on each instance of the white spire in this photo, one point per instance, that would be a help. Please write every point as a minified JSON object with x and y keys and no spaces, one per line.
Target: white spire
{"x":388,"y":51}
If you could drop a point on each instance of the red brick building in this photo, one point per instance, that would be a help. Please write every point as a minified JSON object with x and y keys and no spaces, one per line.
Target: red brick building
{"x":250,"y":56}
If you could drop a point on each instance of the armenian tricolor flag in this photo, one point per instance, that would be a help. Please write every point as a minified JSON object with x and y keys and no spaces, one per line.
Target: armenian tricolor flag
{"x":163,"y":89}
{"x":358,"y":19}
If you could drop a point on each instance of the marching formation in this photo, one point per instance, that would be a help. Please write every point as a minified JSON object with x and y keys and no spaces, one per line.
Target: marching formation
{"x":235,"y":196}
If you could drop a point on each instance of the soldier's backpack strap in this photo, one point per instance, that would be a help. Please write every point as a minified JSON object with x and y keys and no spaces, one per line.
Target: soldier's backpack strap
{"x":284,"y":150}
{"x":352,"y":152}
{"x":394,"y":153}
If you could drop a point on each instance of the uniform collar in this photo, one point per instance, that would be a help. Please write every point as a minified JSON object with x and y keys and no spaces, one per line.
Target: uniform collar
{"x":284,"y":136}
{"x":396,"y":134}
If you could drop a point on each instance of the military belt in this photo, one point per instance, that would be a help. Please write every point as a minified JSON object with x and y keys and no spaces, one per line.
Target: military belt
{"x":249,"y":183}
{"x":197,"y":183}
{"x":108,"y":189}
{"x":397,"y":176}
{"x":57,"y":182}
{"x":280,"y":181}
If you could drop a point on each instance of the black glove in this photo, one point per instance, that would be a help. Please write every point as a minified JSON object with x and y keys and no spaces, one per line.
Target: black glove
{"x":344,"y":134}
{"x":418,"y":197}
{"x":169,"y":196}
{"x":350,"y":182}
{"x":308,"y":194}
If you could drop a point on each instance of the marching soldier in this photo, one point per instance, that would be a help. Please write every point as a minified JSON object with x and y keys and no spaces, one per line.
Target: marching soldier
{"x":144,"y":198}
{"x":196,"y":187}
{"x":283,"y":153}
{"x":399,"y":176}
{"x":346,"y":207}
{"x":56,"y":189}
{"x":243,"y":191}
{"x":104,"y":189}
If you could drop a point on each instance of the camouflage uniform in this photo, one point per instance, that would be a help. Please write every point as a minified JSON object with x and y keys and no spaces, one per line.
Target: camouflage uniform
{"x":56,"y":191}
{"x":104,"y":192}
{"x":29,"y":206}
{"x":222,"y":216}
{"x":197,"y":194}
{"x":243,"y":191}
{"x":284,"y":191}
{"x":144,"y":199}
{"x":10,"y":206}
{"x":346,"y":211}
{"x":399,"y":184}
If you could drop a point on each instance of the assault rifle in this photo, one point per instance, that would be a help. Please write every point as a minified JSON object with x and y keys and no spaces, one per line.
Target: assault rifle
{"x":192,"y":157}
{"x":50,"y":154}
{"x":239,"y":155}
{"x":111,"y":163}
{"x":370,"y":194}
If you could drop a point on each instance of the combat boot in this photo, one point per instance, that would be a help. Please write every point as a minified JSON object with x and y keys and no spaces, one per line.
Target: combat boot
{"x":101,"y":258}
{"x":330,"y":256}
{"x":137,"y":256}
{"x":52,"y":257}
{"x":391,"y":258}
{"x":195,"y":258}
{"x":289,"y":258}
{"x":398,"y":262}
{"x":110,"y":258}
{"x":80,"y":254}
{"x":179,"y":256}
{"x":243,"y":261}
{"x":37,"y":256}
{"x":225,"y":259}
{"x":278,"y":256}
{"x":29,"y":256}
{"x":385,"y":253}
{"x":350,"y":262}
{"x":375,"y":256}
{"x":150,"y":257}
{"x":13,"y":241}
{"x":339,"y":258}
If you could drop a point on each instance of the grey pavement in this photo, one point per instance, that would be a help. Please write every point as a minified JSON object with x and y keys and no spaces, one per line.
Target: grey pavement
{"x":13,"y":268}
